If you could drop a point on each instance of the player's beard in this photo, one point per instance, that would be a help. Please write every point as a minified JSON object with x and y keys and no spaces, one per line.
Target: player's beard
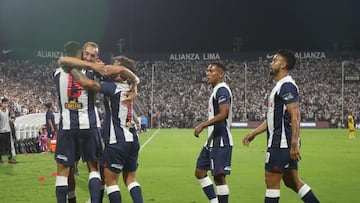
{"x":273,"y":71}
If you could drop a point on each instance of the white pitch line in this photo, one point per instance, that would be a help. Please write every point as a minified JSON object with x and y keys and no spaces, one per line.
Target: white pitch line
{"x":147,"y":141}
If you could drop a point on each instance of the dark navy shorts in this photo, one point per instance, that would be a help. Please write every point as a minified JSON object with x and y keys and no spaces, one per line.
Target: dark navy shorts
{"x":71,"y":144}
{"x":122,"y":156}
{"x":278,"y":160}
{"x":216,"y":159}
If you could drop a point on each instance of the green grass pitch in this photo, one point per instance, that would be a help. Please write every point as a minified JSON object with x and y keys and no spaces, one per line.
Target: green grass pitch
{"x":330,"y":165}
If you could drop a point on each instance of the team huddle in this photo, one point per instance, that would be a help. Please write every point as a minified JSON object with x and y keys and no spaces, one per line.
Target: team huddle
{"x":82,"y":75}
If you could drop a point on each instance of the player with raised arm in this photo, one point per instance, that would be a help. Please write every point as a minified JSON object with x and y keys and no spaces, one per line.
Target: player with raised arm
{"x":121,"y":145}
{"x":78,"y":126}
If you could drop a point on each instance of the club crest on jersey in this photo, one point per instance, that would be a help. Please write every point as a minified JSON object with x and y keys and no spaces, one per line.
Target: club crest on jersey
{"x":73,"y":105}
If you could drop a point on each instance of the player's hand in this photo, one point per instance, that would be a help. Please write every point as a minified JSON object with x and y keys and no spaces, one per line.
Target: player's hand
{"x":295,"y":152}
{"x":247,"y":139}
{"x":99,"y":67}
{"x":198,"y":130}
{"x":130,"y":96}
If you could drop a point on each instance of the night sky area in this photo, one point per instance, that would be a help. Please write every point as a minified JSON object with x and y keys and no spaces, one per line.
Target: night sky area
{"x":163,"y":26}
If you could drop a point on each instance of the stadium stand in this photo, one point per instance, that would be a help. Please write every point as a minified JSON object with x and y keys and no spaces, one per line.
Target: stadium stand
{"x":180,"y":90}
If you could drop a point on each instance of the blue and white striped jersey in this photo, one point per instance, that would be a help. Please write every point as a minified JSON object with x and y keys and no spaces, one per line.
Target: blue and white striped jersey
{"x":115,"y":129}
{"x":76,"y":104}
{"x":278,"y":119}
{"x":221,"y":131}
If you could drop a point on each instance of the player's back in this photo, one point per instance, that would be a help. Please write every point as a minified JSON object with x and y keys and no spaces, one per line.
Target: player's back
{"x":76,"y":104}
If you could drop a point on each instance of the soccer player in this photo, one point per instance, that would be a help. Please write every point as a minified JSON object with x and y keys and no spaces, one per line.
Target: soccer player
{"x":216,"y":153}
{"x":121,"y":144}
{"x":283,"y":133}
{"x":50,"y":124}
{"x":90,"y":54}
{"x":351,"y":126}
{"x":78,"y":127}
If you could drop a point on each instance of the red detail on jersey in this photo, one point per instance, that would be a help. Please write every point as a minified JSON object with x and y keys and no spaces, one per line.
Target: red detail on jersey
{"x":70,"y":92}
{"x":276,"y":169}
{"x":129,"y":113}
{"x":105,"y":165}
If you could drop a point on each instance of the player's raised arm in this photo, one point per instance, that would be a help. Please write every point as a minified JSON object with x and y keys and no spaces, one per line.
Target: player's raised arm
{"x":67,"y":61}
{"x":125,"y":73}
{"x":85,"y":81}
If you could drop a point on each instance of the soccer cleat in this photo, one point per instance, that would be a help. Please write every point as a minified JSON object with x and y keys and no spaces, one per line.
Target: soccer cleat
{"x":12,"y":161}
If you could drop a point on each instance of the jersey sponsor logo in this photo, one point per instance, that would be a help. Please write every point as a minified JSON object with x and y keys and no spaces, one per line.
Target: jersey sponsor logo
{"x":62,"y":157}
{"x":289,"y":96}
{"x":73,"y":105}
{"x":117,"y":166}
{"x":222,"y":99}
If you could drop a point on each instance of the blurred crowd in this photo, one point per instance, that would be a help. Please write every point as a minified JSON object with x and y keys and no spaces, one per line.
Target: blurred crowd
{"x":27,"y":85}
{"x":175,"y":93}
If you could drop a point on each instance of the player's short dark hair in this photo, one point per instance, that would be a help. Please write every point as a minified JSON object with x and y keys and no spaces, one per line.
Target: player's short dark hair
{"x":48,"y":105}
{"x":125,"y":61}
{"x":219,"y":65}
{"x":3,"y":100}
{"x":289,"y":57}
{"x":72,"y":48}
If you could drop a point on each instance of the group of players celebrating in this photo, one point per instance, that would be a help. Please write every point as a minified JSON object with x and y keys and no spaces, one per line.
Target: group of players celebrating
{"x":79,"y":78}
{"x":82,"y":75}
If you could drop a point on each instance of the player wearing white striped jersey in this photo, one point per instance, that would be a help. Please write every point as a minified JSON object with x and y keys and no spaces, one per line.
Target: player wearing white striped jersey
{"x":283,"y":133}
{"x":121,"y":145}
{"x":217,"y":151}
{"x":78,"y":126}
